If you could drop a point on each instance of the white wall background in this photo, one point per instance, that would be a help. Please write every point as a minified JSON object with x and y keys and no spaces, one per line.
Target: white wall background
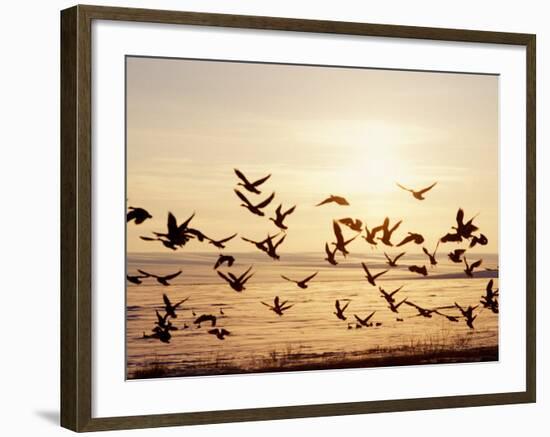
{"x":29,"y":215}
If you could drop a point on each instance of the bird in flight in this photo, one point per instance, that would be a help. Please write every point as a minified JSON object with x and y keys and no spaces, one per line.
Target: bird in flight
{"x":161,"y":279}
{"x":220,"y":243}
{"x":468,"y":314}
{"x":219,"y":333}
{"x":395,"y":306}
{"x":205,"y":318}
{"x":370,"y":235}
{"x":370,"y":277}
{"x":224,"y":259}
{"x":271,"y":248}
{"x":420,"y":270}
{"x":171,"y":309}
{"x":416,"y":238}
{"x":176,"y":236}
{"x":280,"y":217}
{"x":431,"y":256}
{"x":303,"y":282}
{"x":417,"y":194}
{"x":334,"y":199}
{"x":138,"y":215}
{"x":389,"y":296}
{"x":254,"y":209}
{"x":278,"y":307}
{"x":136,"y":279}
{"x":456,"y":255}
{"x":481,"y":240}
{"x":426,"y":312}
{"x":340,"y":310}
{"x":250,"y":186}
{"x":489,"y":299}
{"x":163,"y":322}
{"x":331,"y":255}
{"x":387,"y":231}
{"x":354,"y":224}
{"x":340,"y":242}
{"x":365,"y":321}
{"x":237,"y":283}
{"x":469,"y":270}
{"x":160,"y":334}
{"x":463,"y":230}
{"x":393,"y":262}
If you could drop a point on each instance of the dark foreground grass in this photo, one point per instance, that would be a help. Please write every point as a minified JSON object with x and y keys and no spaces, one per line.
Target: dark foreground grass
{"x":415,"y":353}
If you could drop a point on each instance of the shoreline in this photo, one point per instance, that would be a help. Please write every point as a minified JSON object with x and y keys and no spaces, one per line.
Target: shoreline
{"x":404,"y":356}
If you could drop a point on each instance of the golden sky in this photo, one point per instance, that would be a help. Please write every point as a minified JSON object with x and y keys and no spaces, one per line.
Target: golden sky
{"x":318,"y":131}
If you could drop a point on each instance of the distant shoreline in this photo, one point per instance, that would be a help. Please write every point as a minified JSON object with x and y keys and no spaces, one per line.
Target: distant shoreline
{"x":395,"y":357}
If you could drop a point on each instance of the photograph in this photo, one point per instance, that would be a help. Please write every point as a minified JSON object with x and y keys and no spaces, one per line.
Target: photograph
{"x":296,"y":217}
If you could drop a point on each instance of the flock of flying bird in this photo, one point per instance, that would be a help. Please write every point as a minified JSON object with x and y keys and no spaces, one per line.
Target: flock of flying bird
{"x":178,"y":235}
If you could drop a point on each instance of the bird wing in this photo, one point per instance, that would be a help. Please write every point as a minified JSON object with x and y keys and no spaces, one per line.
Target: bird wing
{"x":172,"y":276}
{"x":359,"y":319}
{"x":406,"y":240}
{"x":284,"y":308}
{"x":224,"y":277}
{"x":399,"y":256}
{"x":396,"y":290}
{"x":327,"y":200}
{"x":289,"y":211}
{"x":424,"y":190}
{"x":370,"y":316}
{"x":388,"y":258}
{"x":130,"y":215}
{"x":412,"y":304}
{"x":340,"y":200}
{"x":266,"y":304}
{"x":225,"y":331}
{"x":309,"y":278}
{"x":476,"y":264}
{"x":261,"y":181}
{"x":366,"y":269}
{"x":379,"y":274}
{"x":345,"y":306}
{"x":172,"y":224}
{"x":213,"y":331}
{"x":280,"y":242}
{"x":337,"y":232}
{"x":266,"y":201}
{"x":337,"y":304}
{"x":241,"y":176}
{"x":244,"y":274}
{"x":395,"y":226}
{"x":288,"y":279}
{"x":166,"y":300}
{"x":144,"y":273}
{"x":426,"y":251}
{"x":489,"y":287}
{"x":183,"y":226}
{"x":181,"y":301}
{"x":460,"y":217}
{"x":227,"y":239}
{"x":403,"y":188}
{"x":401,"y":303}
{"x":243,"y":197}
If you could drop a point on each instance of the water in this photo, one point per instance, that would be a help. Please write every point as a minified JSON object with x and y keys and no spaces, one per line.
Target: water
{"x":308,"y":332}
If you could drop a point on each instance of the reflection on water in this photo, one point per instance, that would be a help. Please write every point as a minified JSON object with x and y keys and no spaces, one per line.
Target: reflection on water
{"x":309,"y":331}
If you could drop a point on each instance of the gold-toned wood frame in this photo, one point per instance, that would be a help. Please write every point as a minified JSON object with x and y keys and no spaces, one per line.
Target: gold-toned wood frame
{"x":76,"y":217}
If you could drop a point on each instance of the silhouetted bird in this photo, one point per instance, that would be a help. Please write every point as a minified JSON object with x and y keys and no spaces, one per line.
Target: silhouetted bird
{"x":171,"y":309}
{"x":481,"y":240}
{"x":463,"y":230}
{"x":219,"y":243}
{"x":224,"y":259}
{"x":138,"y":215}
{"x":389,"y":296}
{"x":370,"y":235}
{"x":340,"y":310}
{"x":354,"y":224}
{"x":250,"y":186}
{"x":237,"y":283}
{"x":393,"y":262}
{"x":420,"y":270}
{"x":271,"y":248}
{"x":336,"y":199}
{"x":163,"y":322}
{"x":448,"y":317}
{"x":161,"y":279}
{"x":456,"y":255}
{"x":254,"y":209}
{"x":468,"y":314}
{"x":431,"y":256}
{"x":340,"y":242}
{"x":205,"y":318}
{"x":219,"y":333}
{"x":395,"y":306}
{"x":386,"y":236}
{"x":266,"y":245}
{"x":176,"y":236}
{"x":167,"y":243}
{"x":280,"y":217}
{"x":330,"y":255}
{"x":370,"y":277}
{"x":160,"y":334}
{"x":278,"y":307}
{"x":303,"y":282}
{"x":136,"y":279}
{"x":417,"y":194}
{"x":489,"y":299}
{"x":469,"y":270}
{"x":416,"y":238}
{"x":365,"y":321}
{"x":425,"y":312}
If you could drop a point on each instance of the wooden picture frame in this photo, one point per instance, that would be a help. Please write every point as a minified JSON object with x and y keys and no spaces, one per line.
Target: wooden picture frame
{"x":76,"y":196}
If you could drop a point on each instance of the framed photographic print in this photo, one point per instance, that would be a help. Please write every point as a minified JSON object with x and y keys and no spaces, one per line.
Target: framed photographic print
{"x":307,"y":218}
